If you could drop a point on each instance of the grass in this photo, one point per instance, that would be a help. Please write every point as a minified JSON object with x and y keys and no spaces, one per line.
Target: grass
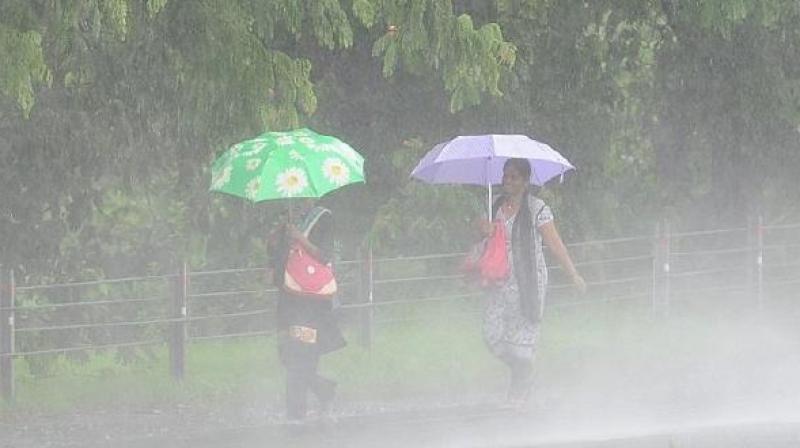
{"x":407,"y":358}
{"x":432,"y":350}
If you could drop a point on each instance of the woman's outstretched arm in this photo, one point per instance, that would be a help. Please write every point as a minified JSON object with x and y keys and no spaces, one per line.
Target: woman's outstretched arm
{"x":553,"y":240}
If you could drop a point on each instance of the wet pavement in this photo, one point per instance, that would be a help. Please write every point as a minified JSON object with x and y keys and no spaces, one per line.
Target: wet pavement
{"x":482,"y":429}
{"x":470,"y":428}
{"x":742,"y":391}
{"x":476,"y":424}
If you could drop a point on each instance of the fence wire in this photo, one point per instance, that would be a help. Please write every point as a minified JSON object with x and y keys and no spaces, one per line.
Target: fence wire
{"x":410,"y":280}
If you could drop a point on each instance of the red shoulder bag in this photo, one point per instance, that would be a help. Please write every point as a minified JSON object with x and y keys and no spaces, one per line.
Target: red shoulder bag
{"x":305,"y":275}
{"x":491,"y":267}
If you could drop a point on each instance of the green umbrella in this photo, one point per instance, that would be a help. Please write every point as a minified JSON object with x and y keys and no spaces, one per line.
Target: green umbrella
{"x":292,"y":164}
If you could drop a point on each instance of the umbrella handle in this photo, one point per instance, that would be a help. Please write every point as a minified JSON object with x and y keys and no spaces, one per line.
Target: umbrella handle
{"x":489,"y":184}
{"x":489,"y":209}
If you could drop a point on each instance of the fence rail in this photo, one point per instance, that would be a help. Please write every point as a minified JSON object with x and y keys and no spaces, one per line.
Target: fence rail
{"x":190,"y":306}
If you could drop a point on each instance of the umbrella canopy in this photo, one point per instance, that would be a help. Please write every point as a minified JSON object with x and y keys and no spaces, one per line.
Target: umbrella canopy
{"x":292,"y":164}
{"x":479,"y":160}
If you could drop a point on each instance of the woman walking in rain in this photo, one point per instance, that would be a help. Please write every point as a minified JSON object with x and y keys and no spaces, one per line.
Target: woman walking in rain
{"x":306,"y":325}
{"x":515,"y":306}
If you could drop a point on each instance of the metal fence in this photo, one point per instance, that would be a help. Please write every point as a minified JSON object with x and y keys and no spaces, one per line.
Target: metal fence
{"x":752,"y":264}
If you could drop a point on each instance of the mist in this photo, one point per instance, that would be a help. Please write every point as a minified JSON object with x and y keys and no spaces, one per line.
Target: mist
{"x":156,"y":158}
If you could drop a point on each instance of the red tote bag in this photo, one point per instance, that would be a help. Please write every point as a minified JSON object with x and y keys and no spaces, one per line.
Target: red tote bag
{"x":308,"y":277}
{"x":492,"y":266}
{"x":305,"y":275}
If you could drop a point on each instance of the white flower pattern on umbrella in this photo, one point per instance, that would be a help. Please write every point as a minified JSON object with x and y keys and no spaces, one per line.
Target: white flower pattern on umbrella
{"x":347,"y":153}
{"x":252,"y":188}
{"x":275,"y":165}
{"x":308,"y":141}
{"x":336,"y":171}
{"x":320,"y":147}
{"x":255,"y":149}
{"x":221,"y":178}
{"x":291,"y":182}
{"x":253,"y":164}
{"x":235,"y":149}
{"x":284,"y":140}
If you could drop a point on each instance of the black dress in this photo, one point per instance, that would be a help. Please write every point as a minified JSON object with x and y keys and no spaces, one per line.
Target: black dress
{"x":301,"y":358}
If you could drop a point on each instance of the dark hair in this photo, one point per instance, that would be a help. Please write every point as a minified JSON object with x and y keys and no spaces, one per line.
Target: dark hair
{"x":523,"y":226}
{"x":522,"y":165}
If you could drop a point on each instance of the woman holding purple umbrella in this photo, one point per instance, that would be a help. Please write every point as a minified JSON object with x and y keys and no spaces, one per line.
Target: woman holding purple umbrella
{"x":514,"y":310}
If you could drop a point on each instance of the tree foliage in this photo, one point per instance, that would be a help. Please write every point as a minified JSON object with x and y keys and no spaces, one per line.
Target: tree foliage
{"x":113,"y":109}
{"x":21,"y":54}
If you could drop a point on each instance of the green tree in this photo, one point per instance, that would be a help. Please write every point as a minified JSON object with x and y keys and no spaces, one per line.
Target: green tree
{"x":688,"y":104}
{"x":728,"y":107}
{"x":124,"y":94}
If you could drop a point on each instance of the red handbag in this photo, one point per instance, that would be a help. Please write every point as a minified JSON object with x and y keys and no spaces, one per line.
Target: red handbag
{"x":304,"y":274}
{"x":492,"y":265}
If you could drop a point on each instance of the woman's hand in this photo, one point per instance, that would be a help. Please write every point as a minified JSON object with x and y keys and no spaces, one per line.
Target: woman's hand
{"x":486,"y":227}
{"x":295,"y":234}
{"x":301,"y":239}
{"x":278,"y":230}
{"x":579,"y":283}
{"x":553,"y":241}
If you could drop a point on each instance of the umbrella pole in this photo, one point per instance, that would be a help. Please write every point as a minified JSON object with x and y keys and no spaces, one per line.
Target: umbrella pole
{"x":489,"y":184}
{"x":489,"y":197}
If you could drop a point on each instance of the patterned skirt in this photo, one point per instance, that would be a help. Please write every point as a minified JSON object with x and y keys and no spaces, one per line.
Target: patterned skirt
{"x":506,"y":332}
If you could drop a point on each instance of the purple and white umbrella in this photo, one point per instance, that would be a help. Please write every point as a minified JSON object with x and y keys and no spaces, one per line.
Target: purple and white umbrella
{"x":479,"y":160}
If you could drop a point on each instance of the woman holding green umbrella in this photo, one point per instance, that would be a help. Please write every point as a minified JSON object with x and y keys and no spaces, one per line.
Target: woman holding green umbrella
{"x":306,"y":326}
{"x":304,"y":165}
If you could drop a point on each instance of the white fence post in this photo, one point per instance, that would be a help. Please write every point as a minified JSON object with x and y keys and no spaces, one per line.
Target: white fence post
{"x":656,"y":268}
{"x":7,"y":325}
{"x":760,"y":262}
{"x":666,"y":246}
{"x":367,"y":282}
{"x":178,"y":330}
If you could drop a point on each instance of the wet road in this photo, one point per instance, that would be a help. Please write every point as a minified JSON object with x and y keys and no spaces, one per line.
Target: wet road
{"x":735,"y":387}
{"x":484,"y":427}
